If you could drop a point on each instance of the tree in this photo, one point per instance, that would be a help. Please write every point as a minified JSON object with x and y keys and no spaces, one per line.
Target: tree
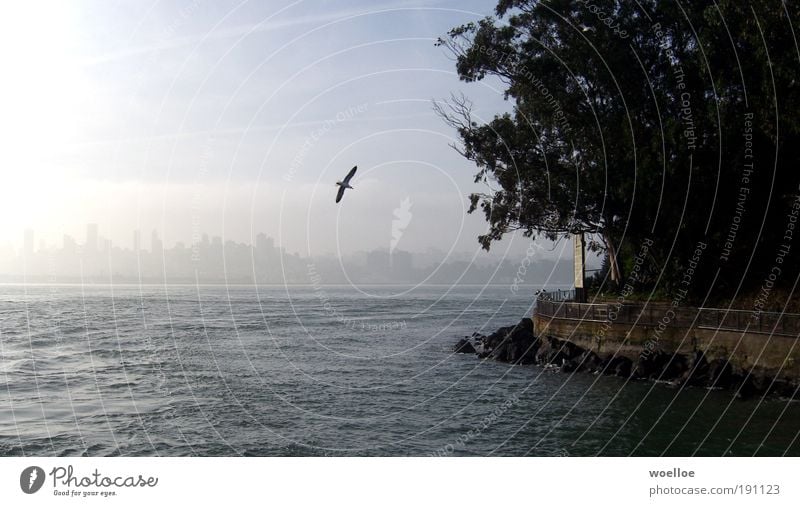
{"x":628,"y":123}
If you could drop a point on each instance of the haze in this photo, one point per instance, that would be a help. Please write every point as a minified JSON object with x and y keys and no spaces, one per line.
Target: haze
{"x":237,"y":118}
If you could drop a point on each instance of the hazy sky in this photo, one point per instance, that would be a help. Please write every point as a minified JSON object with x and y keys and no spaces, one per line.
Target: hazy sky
{"x":234,"y":118}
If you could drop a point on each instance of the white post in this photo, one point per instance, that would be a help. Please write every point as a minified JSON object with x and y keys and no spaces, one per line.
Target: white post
{"x":579,"y":260}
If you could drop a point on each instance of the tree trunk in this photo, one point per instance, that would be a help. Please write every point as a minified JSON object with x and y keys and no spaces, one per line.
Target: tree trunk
{"x":611,"y":251}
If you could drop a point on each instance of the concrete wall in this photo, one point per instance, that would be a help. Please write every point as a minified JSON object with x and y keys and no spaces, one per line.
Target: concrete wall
{"x":774,"y":356}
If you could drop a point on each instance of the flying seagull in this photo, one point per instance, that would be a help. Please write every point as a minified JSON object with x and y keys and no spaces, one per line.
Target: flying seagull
{"x":343,"y":185}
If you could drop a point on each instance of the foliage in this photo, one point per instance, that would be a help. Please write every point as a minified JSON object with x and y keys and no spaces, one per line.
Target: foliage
{"x":630,"y":122}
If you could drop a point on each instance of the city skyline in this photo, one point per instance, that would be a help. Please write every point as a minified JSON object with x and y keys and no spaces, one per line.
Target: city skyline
{"x":216,"y":259}
{"x":94,"y":241}
{"x":149,"y":126}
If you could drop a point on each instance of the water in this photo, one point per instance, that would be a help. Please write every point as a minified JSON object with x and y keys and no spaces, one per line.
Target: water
{"x":214,"y":370}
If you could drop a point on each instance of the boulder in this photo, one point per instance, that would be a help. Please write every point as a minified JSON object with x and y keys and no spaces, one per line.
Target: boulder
{"x":557,"y":352}
{"x":500,"y":352}
{"x":522,"y":352}
{"x":659,"y":365}
{"x":569,"y":365}
{"x":696,"y":373}
{"x":785,"y":389}
{"x":464,"y":345}
{"x":675,"y":368}
{"x":720,"y":373}
{"x":515,"y":343}
{"x":523,"y":331}
{"x":618,"y":366}
{"x":497,"y":337}
{"x":589,"y":361}
{"x":548,"y":352}
{"x":754,"y":384}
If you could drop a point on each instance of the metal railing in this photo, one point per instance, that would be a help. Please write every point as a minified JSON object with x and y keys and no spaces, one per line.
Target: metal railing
{"x":556,"y":296}
{"x":652,"y":315}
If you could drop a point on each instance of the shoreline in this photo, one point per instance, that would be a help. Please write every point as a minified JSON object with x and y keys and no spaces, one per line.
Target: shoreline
{"x":518,"y":345}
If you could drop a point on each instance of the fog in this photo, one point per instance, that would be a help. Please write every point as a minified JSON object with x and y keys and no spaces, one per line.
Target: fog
{"x":237,"y":119}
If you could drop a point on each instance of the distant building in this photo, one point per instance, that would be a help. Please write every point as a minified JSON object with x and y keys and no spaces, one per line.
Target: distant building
{"x":401,"y":263}
{"x":137,"y":241}
{"x":91,"y":238}
{"x":70,"y":246}
{"x":156,"y":245}
{"x":264,"y":244}
{"x":27,"y":249}
{"x":378,"y":262}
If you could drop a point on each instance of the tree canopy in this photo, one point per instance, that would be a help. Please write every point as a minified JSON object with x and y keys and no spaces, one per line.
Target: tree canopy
{"x":663,"y":122}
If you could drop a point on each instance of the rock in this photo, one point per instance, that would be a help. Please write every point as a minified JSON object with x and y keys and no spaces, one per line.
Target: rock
{"x":720,"y":373}
{"x":589,"y":361}
{"x":785,"y":389}
{"x":494,"y":339}
{"x":499,"y":352}
{"x":753,"y":385}
{"x":547,"y":352}
{"x":569,"y":365}
{"x":522,"y":352}
{"x":523,"y":331}
{"x":696,"y":373}
{"x":675,"y":367}
{"x":558,"y":352}
{"x":747,"y":388}
{"x":523,"y":344}
{"x":618,"y":366}
{"x":659,"y":365}
{"x":515,"y":344}
{"x":464,"y":345}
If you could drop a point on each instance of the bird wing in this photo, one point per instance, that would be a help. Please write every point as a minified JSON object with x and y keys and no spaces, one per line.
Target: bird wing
{"x":339,"y":195}
{"x":350,"y":175}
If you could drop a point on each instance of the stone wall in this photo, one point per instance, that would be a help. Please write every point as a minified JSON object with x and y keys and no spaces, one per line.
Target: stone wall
{"x":763,"y":355}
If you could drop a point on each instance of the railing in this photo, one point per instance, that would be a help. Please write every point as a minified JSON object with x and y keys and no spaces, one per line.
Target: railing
{"x":652,"y":315}
{"x":557,"y":296}
{"x":766,"y":322}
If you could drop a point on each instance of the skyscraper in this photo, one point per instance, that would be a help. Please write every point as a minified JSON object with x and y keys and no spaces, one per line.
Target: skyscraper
{"x":91,"y":238}
{"x":137,"y":241}
{"x":156,"y":246}
{"x":28,"y":246}
{"x":70,"y":246}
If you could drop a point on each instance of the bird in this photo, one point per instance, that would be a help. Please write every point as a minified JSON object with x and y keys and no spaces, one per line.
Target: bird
{"x":343,"y":185}
{"x":585,"y":28}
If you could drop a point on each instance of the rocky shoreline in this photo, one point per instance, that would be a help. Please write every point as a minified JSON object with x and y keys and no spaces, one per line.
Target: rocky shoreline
{"x":517,"y":344}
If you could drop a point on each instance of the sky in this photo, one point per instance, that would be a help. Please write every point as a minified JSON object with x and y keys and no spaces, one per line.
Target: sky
{"x":235,"y":118}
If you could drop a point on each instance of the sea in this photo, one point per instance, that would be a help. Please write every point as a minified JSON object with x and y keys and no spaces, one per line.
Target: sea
{"x":215,"y":370}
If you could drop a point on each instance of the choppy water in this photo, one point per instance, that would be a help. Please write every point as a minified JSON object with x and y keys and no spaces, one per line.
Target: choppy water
{"x":214,"y":370}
